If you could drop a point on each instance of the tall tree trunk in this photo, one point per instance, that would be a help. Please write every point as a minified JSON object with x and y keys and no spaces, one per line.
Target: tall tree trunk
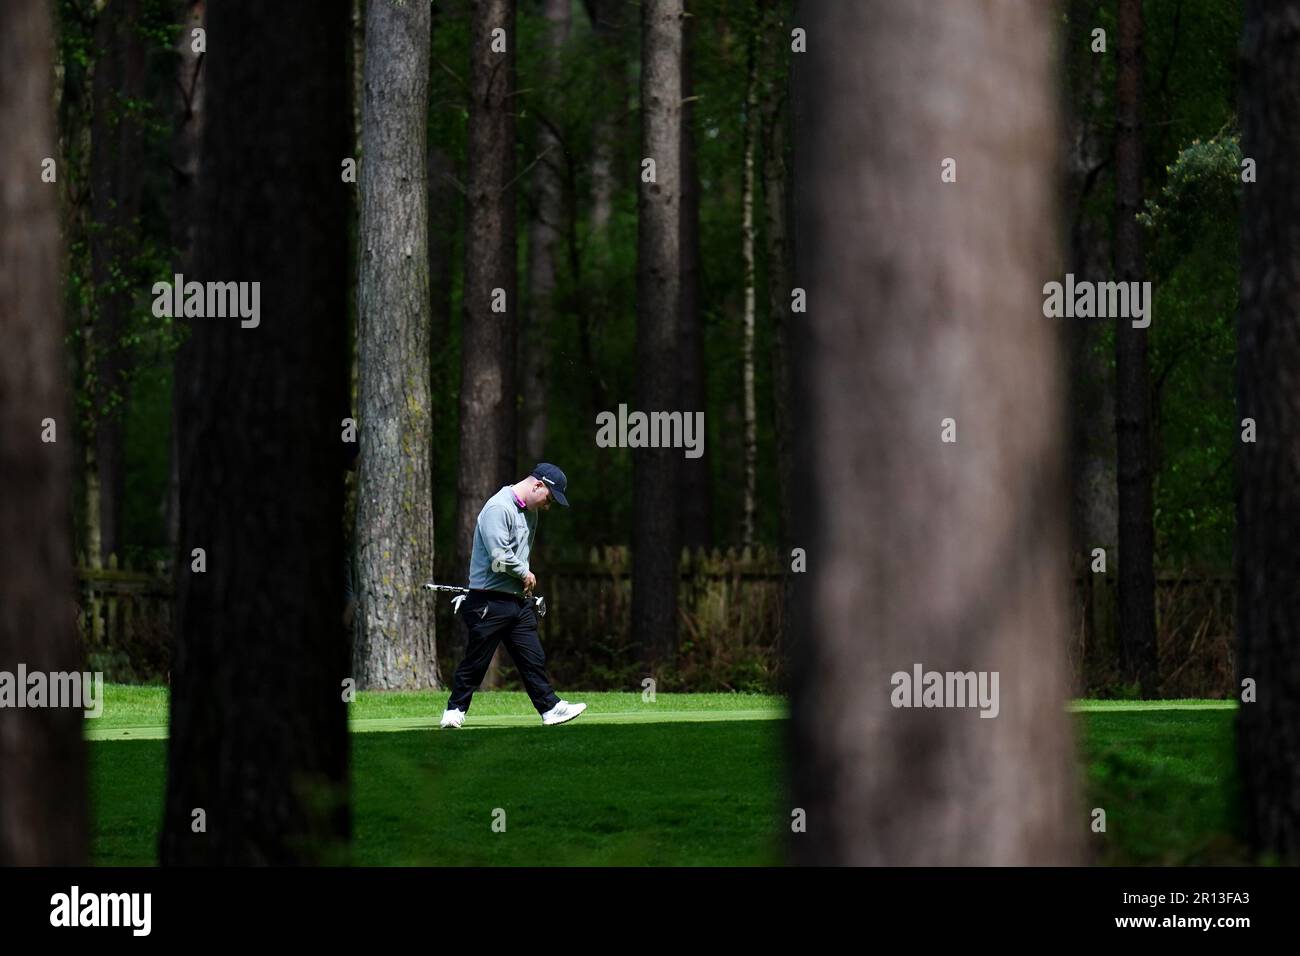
{"x":1091,"y":378}
{"x":1268,"y":390}
{"x":696,"y":512}
{"x":544,"y":233}
{"x":950,"y":555}
{"x":76,"y":112}
{"x":258,"y":725}
{"x":1137,"y":614}
{"x":775,"y":73}
{"x":117,"y":163}
{"x":488,"y":393}
{"x":750,"y":501}
{"x":187,"y":136}
{"x":607,"y":19}
{"x":654,"y":470}
{"x":395,"y":635}
{"x":43,"y":812}
{"x":444,"y":200}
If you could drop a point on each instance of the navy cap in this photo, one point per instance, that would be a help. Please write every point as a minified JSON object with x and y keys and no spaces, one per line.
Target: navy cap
{"x":554,"y":479}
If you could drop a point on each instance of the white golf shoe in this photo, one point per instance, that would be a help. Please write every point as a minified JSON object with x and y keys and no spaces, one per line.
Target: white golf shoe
{"x":452,"y":717}
{"x":561,"y":712}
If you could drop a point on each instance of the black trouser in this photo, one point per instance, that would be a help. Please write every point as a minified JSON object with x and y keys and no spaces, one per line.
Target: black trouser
{"x":492,"y":617}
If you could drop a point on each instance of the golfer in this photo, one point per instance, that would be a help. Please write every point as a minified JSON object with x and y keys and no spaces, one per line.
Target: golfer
{"x":500,"y":606}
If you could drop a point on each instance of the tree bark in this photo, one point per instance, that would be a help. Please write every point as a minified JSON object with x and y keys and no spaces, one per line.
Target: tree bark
{"x":696,"y":511}
{"x":545,"y":230}
{"x":489,"y":339}
{"x":1137,"y":614}
{"x":775,"y":73}
{"x":1091,"y":378}
{"x":947,"y":555}
{"x":1268,"y":390}
{"x":444,"y":201}
{"x":258,"y":726}
{"x":395,"y":643}
{"x":749,"y":279}
{"x":43,"y":811}
{"x":607,"y":19}
{"x":655,"y":470}
{"x":116,"y":166}
{"x":187,"y":135}
{"x":487,"y":392}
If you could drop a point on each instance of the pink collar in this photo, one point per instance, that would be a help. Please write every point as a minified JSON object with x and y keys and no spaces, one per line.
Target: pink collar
{"x":519,"y":501}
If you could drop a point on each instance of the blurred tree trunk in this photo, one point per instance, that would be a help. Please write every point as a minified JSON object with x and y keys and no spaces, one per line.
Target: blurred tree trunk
{"x":607,"y":19}
{"x":1268,"y":390}
{"x":655,"y":470}
{"x":187,"y":136}
{"x":696,"y":513}
{"x":545,"y":231}
{"x":947,"y":555}
{"x":488,"y":394}
{"x":395,"y":645}
{"x":258,"y":726}
{"x":43,"y":810}
{"x":1137,"y":611}
{"x":116,"y":168}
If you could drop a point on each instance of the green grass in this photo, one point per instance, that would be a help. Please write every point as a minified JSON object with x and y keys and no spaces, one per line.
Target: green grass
{"x":692,"y":779}
{"x":661,"y":791}
{"x":1167,"y":780}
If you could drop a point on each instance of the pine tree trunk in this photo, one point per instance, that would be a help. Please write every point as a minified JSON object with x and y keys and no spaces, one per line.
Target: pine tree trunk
{"x":696,"y":516}
{"x":1091,"y":389}
{"x":544,"y":233}
{"x":924,"y":304}
{"x":1268,"y":390}
{"x":1137,"y":614}
{"x":43,"y":809}
{"x":749,"y":279}
{"x":395,"y":646}
{"x":775,"y":74}
{"x":607,"y":19}
{"x":116,"y":166}
{"x":444,"y":201}
{"x":258,"y":725}
{"x":488,"y":393}
{"x":655,"y":470}
{"x":187,"y":135}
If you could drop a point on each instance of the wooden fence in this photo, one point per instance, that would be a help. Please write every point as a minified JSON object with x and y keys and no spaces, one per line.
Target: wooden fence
{"x":124,"y":616}
{"x":730,"y":610}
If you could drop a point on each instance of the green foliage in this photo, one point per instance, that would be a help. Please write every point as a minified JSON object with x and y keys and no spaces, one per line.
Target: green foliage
{"x":1192,"y":231}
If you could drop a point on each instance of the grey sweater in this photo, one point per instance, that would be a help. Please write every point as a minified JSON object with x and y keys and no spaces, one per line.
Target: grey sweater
{"x":503,"y":539}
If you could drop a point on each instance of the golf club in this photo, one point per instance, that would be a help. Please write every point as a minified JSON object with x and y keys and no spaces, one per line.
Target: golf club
{"x":462,"y":592}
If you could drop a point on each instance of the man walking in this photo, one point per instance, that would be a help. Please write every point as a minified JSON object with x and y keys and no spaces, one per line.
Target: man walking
{"x":500,"y":606}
